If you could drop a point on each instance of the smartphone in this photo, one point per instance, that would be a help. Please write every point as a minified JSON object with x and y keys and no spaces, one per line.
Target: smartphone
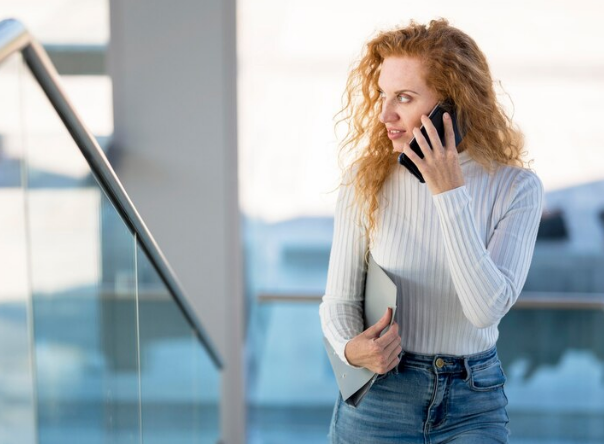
{"x":436,"y":116}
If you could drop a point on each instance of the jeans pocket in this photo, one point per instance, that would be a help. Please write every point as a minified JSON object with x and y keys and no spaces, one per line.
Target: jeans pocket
{"x":487,"y":378}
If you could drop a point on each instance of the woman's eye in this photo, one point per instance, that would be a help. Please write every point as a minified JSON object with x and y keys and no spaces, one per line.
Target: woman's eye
{"x":400,"y":98}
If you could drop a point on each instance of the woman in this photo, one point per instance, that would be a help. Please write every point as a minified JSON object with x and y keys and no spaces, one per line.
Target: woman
{"x":458,"y":247}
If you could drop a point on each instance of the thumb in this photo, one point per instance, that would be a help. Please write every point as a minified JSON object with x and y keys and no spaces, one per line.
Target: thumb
{"x":375,"y":330}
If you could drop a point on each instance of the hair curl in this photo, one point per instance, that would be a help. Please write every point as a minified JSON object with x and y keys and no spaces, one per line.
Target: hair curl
{"x":455,"y":68}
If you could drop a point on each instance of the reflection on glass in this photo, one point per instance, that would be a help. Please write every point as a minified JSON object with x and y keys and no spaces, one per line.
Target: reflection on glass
{"x":17,"y":416}
{"x":179,"y":383}
{"x":554,"y":361}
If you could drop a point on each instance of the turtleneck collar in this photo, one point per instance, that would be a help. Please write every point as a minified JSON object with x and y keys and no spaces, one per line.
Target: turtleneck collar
{"x":464,"y":157}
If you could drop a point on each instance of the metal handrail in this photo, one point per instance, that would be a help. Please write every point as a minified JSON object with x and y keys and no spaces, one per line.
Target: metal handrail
{"x":14,"y":37}
{"x":528,"y":300}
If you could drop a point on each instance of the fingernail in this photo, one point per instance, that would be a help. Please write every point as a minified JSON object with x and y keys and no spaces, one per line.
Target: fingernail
{"x":447,"y":116}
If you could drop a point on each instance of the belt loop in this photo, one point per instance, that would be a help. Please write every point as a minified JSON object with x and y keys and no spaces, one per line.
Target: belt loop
{"x":395,"y":370}
{"x":468,"y":369}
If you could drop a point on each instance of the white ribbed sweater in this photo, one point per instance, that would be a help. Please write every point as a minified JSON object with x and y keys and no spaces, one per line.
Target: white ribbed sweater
{"x":459,"y":258}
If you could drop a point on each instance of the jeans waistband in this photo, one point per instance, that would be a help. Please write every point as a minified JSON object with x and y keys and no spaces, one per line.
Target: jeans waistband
{"x":442,"y":363}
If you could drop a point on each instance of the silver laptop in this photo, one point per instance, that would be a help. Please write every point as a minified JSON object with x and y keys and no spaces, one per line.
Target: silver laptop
{"x":380,"y":293}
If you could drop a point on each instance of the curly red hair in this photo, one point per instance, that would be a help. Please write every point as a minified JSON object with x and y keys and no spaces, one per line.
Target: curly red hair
{"x":455,"y":68}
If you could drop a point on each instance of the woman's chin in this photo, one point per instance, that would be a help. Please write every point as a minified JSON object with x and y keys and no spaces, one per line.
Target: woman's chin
{"x":398,"y":146}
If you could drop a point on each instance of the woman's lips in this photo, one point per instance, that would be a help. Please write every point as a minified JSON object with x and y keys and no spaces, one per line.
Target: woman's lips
{"x":395,"y":134}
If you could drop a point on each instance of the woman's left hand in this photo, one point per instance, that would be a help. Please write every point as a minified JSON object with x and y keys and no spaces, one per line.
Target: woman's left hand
{"x":440,"y":165}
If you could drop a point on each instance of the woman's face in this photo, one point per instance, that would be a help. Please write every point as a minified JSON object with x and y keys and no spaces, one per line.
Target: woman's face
{"x":405,"y":97}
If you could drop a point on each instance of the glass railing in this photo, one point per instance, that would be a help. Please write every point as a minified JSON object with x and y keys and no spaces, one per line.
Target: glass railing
{"x":97,"y":341}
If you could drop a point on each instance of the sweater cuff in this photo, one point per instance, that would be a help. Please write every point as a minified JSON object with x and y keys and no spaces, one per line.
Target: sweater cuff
{"x":452,"y":202}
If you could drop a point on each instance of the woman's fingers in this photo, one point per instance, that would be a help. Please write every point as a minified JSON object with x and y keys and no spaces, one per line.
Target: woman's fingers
{"x":393,"y":362}
{"x":388,"y":337}
{"x":383,"y":362}
{"x":422,"y":142}
{"x":413,"y":157}
{"x":392,"y":345}
{"x":372,"y":352}
{"x":440,"y":167}
{"x":380,"y":325}
{"x":437,"y":146}
{"x":449,"y":133}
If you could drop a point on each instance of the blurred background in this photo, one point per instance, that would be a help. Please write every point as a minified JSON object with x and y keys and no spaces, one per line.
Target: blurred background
{"x":218,"y":119}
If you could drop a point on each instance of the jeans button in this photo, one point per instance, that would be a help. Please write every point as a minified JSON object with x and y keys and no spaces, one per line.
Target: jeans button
{"x":440,"y":363}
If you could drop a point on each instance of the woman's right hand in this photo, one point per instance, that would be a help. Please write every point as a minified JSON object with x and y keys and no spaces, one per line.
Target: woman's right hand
{"x":369,"y":350}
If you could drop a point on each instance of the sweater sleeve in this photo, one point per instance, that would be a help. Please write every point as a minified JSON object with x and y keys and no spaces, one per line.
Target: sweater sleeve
{"x":341,"y":309}
{"x":488,"y":279}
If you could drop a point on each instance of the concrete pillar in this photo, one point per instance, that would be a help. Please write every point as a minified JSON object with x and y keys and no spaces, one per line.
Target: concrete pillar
{"x":173,"y":67}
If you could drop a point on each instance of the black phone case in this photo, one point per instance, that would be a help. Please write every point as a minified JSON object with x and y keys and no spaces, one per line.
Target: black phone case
{"x":436,"y":116}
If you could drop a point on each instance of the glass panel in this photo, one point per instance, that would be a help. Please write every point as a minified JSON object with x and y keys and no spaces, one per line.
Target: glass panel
{"x":288,"y":258}
{"x":287,"y":334}
{"x":17,"y":415}
{"x":554,"y":361}
{"x":179,"y":383}
{"x":552,"y":343}
{"x":83,"y":290}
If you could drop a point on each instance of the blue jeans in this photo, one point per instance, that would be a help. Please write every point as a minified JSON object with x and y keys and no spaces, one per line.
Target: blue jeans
{"x":429,"y":400}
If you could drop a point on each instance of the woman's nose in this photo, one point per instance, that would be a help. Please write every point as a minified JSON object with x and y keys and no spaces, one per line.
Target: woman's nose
{"x":388,"y":114}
